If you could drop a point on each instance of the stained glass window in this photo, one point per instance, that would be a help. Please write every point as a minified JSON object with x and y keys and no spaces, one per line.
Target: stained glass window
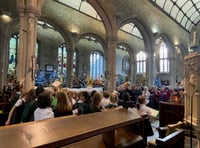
{"x":163,"y":58}
{"x":62,"y":59}
{"x":96,"y":65}
{"x":141,"y":62}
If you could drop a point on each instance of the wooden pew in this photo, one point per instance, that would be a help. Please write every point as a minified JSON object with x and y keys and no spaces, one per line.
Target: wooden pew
{"x":63,"y":131}
{"x":176,"y":140}
{"x":173,"y":140}
{"x":170,"y":113}
{"x":4,"y":108}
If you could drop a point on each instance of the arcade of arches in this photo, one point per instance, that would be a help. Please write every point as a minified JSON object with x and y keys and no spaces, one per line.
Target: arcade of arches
{"x":105,"y":41}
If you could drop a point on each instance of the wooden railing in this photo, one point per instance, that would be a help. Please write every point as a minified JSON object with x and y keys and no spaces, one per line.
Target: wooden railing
{"x":63,"y":131}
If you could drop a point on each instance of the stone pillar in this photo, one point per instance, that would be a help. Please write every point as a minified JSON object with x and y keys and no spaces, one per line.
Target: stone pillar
{"x":192,"y":91}
{"x":3,"y":57}
{"x":70,"y":54}
{"x":149,"y":68}
{"x":173,"y":73}
{"x":28,"y":16}
{"x":133,"y":70}
{"x":111,"y":63}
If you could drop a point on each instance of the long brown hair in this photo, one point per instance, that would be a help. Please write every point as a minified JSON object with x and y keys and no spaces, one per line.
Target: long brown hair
{"x":30,"y":95}
{"x":63,"y":103}
{"x":96,"y":101}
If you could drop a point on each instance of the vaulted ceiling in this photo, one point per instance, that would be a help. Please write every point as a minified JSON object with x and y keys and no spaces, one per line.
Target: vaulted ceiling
{"x":185,"y":12}
{"x":156,"y":16}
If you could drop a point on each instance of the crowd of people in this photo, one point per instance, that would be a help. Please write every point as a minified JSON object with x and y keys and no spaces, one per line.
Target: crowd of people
{"x":44,"y":103}
{"x":153,"y":95}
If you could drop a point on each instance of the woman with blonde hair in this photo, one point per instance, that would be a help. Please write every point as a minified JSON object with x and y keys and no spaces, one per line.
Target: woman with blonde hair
{"x":72,"y":96}
{"x":113,"y":101}
{"x":63,"y":107}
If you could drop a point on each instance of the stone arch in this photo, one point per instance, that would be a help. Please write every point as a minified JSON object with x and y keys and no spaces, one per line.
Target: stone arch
{"x":168,"y":42}
{"x":100,"y":39}
{"x":58,"y":28}
{"x":148,"y":39}
{"x":171,"y":75}
{"x":146,"y":34}
{"x":110,"y":25}
{"x":130,"y":51}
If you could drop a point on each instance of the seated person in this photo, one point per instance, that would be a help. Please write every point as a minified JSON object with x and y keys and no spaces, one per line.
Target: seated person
{"x":145,"y":112}
{"x":96,"y":102}
{"x":126,"y":101}
{"x":63,"y":107}
{"x":44,"y":110}
{"x":113,"y":101}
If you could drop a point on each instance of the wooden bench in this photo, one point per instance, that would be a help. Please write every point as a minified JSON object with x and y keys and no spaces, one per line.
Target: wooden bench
{"x":173,"y":140}
{"x":170,"y":113}
{"x":123,"y":139}
{"x":63,"y":131}
{"x":176,"y":140}
{"x":4,"y":111}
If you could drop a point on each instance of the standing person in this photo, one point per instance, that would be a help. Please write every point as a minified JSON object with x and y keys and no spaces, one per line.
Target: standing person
{"x":63,"y":107}
{"x":146,"y":94}
{"x":175,"y":97}
{"x":181,"y":95}
{"x":44,"y":110}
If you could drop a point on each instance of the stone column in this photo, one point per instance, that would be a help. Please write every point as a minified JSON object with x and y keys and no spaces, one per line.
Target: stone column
{"x":149,"y":68}
{"x":173,"y":73}
{"x":133,"y":70}
{"x":3,"y":57}
{"x":28,"y":15}
{"x":192,"y":91}
{"x":111,"y":63}
{"x":70,"y":53}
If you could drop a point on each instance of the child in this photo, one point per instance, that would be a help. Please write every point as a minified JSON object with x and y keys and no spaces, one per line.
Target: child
{"x":145,"y":112}
{"x":64,"y":106}
{"x":113,"y":101}
{"x":44,"y":110}
{"x":142,"y":109}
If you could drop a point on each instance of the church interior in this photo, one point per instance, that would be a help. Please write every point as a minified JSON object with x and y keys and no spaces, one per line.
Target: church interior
{"x":100,"y":56}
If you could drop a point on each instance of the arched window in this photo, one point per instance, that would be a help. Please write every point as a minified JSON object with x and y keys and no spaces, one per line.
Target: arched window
{"x":13,"y":48}
{"x":163,"y":58}
{"x":62,"y":59}
{"x":126,"y":63}
{"x":96,"y":65}
{"x":141,"y":62}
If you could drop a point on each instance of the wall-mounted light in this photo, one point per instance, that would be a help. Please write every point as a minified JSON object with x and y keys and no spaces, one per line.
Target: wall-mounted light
{"x":45,"y":26}
{"x":6,"y":16}
{"x":74,"y":29}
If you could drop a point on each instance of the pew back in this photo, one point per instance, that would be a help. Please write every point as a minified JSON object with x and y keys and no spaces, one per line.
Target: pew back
{"x":63,"y":130}
{"x":170,"y":113}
